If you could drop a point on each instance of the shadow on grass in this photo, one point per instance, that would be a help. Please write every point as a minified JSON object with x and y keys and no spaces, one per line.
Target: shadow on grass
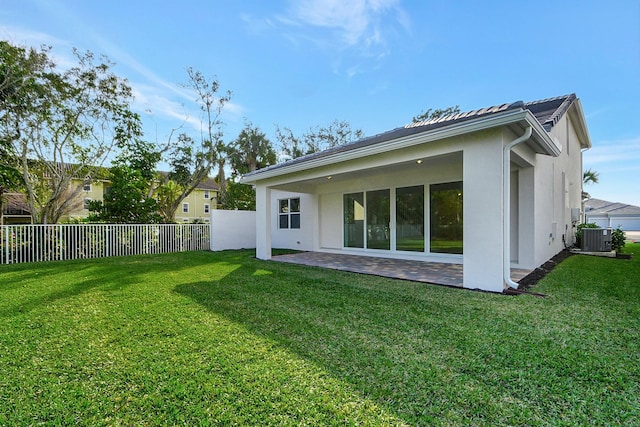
{"x":377,"y":338}
{"x":47,"y":282}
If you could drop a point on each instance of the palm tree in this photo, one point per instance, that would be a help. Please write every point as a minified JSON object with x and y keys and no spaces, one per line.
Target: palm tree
{"x":590,"y":177}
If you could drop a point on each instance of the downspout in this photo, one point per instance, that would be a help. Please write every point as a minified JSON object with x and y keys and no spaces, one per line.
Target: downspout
{"x":506,"y":211}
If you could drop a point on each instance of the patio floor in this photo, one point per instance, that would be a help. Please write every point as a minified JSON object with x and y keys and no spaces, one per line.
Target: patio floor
{"x":418,"y":271}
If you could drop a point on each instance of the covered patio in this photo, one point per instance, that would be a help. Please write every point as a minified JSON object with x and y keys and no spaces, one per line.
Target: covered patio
{"x":438,"y":273}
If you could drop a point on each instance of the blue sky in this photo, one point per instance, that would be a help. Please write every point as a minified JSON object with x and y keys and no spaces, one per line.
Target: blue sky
{"x":373,"y":63}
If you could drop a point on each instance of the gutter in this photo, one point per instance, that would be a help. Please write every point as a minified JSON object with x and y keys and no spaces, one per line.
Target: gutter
{"x":506,"y":212}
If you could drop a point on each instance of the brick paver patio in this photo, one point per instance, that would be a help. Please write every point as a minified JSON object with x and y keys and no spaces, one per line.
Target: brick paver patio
{"x":418,"y":271}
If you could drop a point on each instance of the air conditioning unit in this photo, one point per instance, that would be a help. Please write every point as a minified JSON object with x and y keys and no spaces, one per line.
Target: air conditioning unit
{"x":596,"y":239}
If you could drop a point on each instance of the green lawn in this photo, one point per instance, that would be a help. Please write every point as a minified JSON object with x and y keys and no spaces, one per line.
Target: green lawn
{"x":221,"y":338}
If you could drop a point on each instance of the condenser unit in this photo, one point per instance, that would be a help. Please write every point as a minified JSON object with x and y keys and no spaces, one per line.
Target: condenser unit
{"x":596,"y":239}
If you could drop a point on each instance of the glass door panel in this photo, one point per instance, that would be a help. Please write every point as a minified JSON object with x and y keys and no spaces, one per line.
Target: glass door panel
{"x":378,"y":219}
{"x":353,"y":212}
{"x":446,"y":218}
{"x":410,"y":219}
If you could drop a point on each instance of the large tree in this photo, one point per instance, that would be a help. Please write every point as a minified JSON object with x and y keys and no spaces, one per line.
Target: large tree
{"x":191,"y":159}
{"x":316,"y":138}
{"x":250,"y":151}
{"x":20,"y":71}
{"x":62,"y":125}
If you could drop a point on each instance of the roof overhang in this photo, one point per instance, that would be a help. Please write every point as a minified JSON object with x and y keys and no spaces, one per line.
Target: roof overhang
{"x":577,"y":118}
{"x":518,"y":120}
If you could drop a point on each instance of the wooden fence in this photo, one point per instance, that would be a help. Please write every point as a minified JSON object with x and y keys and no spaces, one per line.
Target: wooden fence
{"x":57,"y":242}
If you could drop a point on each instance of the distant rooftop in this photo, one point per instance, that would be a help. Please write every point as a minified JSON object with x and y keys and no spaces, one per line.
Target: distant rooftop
{"x":598,"y":206}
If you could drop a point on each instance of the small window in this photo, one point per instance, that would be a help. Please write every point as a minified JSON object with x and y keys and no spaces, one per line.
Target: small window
{"x":289,"y":213}
{"x":185,"y":208}
{"x":86,"y":187}
{"x":206,"y":208}
{"x":206,"y":194}
{"x":86,"y":203}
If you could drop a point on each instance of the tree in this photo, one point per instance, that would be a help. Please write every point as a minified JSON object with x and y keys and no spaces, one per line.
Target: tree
{"x":316,"y":138}
{"x":61,"y":125}
{"x":129,"y":199}
{"x":250,"y":151}
{"x":436,"y":114}
{"x":20,"y":69}
{"x":191,"y":160}
{"x":590,"y":177}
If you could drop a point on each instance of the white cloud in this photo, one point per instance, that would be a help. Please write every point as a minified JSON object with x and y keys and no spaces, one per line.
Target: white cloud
{"x":361,"y":29}
{"x":166,"y":104}
{"x":624,"y":151}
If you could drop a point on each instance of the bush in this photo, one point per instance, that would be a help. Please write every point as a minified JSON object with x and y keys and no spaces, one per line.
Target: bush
{"x":579,"y":232}
{"x":617,"y":239}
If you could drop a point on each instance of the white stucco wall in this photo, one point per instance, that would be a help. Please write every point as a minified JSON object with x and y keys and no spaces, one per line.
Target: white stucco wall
{"x":232,"y":230}
{"x":292,"y":238}
{"x":555,"y":196}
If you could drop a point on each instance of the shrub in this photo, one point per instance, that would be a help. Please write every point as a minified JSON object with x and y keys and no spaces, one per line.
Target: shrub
{"x":579,"y":231}
{"x":617,"y":239}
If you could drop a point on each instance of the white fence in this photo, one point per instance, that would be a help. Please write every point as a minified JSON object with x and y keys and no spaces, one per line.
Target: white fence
{"x":33,"y":243}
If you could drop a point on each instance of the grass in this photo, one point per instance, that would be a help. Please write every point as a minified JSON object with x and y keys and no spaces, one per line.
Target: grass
{"x":206,"y":338}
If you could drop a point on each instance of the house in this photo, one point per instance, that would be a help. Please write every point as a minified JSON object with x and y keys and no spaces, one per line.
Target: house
{"x":610,"y":214}
{"x":491,"y":189}
{"x":196,"y":207}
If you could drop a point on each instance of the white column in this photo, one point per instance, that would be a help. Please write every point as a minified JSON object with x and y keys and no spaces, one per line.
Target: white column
{"x":263,"y":222}
{"x":483,"y":215}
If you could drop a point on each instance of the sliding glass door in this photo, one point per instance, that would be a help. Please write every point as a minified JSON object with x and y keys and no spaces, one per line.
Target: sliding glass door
{"x":353,"y":220}
{"x":410,"y":219}
{"x":446,"y":218}
{"x":368,"y":218}
{"x":378,"y":219}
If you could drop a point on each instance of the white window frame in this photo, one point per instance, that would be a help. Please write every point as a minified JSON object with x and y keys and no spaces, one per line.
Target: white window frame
{"x":185,"y":207}
{"x":289,"y":213}
{"x":85,"y":203}
{"x":85,"y":189}
{"x":206,"y":194}
{"x":207,"y":208}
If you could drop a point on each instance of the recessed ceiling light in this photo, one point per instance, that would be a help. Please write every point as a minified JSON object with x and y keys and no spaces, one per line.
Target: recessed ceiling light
{"x":419,"y":161}
{"x":329,"y":177}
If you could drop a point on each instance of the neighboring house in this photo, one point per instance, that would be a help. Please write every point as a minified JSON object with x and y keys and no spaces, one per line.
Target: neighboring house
{"x":197,"y":206}
{"x":609,"y":214}
{"x":15,"y":209}
{"x":490,"y":189}
{"x":194,"y":208}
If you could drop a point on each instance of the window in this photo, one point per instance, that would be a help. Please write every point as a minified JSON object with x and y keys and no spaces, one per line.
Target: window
{"x":185,"y":208}
{"x":86,"y":203}
{"x":86,"y":187}
{"x":206,"y":208}
{"x":289,"y":213}
{"x":206,"y":194}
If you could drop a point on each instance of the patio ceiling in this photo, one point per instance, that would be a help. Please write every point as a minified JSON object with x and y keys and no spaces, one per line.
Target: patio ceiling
{"x":330,"y":177}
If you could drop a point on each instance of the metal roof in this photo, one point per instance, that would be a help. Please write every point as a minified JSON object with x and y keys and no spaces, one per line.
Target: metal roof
{"x":546,"y":111}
